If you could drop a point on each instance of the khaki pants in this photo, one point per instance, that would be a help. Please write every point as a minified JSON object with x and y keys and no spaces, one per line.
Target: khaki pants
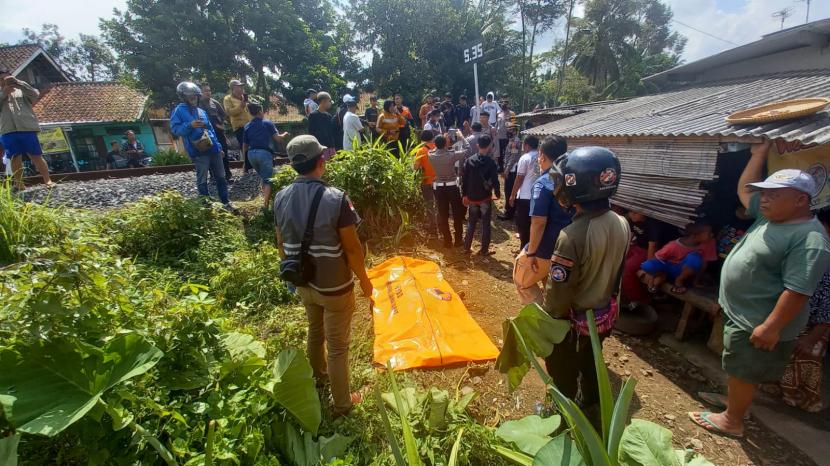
{"x":529,"y":284}
{"x":329,"y":327}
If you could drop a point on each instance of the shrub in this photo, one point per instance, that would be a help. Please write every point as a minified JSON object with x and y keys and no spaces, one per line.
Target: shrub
{"x":386,"y":190}
{"x":170,"y":230}
{"x":170,"y":157}
{"x":24,"y":225}
{"x":250,"y":278}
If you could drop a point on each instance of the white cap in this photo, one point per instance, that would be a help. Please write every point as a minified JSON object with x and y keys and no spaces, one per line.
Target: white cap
{"x":788,"y":178}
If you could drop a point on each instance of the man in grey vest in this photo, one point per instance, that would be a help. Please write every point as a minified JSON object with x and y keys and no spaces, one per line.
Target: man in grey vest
{"x":336,"y":253}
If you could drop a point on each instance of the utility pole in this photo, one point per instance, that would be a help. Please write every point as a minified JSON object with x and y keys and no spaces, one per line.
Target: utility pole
{"x":807,"y":19}
{"x":564,"y":53}
{"x":783,"y":14}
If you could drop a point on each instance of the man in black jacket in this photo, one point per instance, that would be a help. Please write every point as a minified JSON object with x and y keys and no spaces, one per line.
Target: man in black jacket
{"x":321,"y":125}
{"x":479,"y":181}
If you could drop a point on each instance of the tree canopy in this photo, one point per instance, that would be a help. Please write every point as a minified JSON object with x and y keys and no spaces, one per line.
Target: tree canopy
{"x":286,"y":46}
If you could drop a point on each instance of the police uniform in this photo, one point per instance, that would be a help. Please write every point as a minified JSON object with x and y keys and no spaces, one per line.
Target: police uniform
{"x":447,"y":194}
{"x":586,"y":267}
{"x":329,"y":297}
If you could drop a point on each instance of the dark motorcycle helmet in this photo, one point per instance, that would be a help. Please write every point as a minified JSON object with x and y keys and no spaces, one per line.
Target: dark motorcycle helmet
{"x":187,"y":89}
{"x":585,"y":174}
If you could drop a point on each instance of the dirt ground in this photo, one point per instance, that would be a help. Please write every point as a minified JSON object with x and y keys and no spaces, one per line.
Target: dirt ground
{"x":666,"y":383}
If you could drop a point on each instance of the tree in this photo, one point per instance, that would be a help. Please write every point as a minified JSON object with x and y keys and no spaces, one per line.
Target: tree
{"x":275,"y":46}
{"x":618,"y":42}
{"x":536,"y":18}
{"x":87,"y":59}
{"x":92,"y":60}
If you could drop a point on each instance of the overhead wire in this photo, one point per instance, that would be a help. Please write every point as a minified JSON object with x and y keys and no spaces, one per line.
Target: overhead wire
{"x":704,"y":32}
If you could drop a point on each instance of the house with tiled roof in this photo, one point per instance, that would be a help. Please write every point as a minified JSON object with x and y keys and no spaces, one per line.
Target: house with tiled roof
{"x":93,"y":114}
{"x":32,"y":64}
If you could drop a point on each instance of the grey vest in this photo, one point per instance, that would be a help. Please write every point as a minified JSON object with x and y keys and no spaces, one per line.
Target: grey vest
{"x":291,"y":207}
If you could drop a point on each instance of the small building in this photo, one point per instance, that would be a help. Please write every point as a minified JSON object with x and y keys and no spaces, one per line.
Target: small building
{"x":680,"y":159}
{"x":90,"y":115}
{"x":32,"y":64}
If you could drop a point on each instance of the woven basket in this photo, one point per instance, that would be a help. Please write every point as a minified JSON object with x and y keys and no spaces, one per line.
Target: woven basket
{"x":784,"y":110}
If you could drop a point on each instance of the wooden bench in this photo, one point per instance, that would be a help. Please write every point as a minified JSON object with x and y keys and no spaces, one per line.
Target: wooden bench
{"x":705,"y":300}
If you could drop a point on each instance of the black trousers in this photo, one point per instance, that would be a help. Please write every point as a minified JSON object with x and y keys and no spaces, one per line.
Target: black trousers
{"x":238,"y":134}
{"x":223,"y":140}
{"x":522,"y":214}
{"x":509,"y":211}
{"x":571,"y":366}
{"x":446,"y":198}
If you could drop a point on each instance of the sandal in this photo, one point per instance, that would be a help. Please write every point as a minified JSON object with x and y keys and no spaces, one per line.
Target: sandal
{"x":356,"y":398}
{"x":717,"y":400}
{"x":701,"y":418}
{"x":678,"y":289}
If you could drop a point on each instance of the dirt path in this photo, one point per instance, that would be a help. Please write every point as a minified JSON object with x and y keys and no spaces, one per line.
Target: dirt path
{"x":667,"y":383}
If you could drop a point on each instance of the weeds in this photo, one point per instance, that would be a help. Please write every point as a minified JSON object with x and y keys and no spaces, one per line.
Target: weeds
{"x":170,"y":157}
{"x":24,"y":225}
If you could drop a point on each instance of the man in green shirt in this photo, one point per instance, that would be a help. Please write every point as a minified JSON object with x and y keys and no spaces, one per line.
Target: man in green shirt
{"x":766,"y":282}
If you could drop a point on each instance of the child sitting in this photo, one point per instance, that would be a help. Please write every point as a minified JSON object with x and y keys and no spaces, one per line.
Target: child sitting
{"x":681,"y":260}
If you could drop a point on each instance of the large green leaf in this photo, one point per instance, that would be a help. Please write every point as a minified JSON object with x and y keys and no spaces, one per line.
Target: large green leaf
{"x":8,"y":450}
{"x":691,"y":458}
{"x":47,"y":386}
{"x":293,"y":387}
{"x":645,"y":443}
{"x":561,"y":451}
{"x":246,"y":353}
{"x":606,"y":398}
{"x":540,"y":332}
{"x":530,"y":433}
{"x":516,"y":457}
{"x":620,"y":417}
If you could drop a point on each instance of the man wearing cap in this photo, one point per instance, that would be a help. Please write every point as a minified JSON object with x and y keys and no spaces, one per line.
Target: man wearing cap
{"x":766,"y":282}
{"x":337,"y":256}
{"x":352,"y":127}
{"x":19,"y":127}
{"x":235,"y":106}
{"x":309,"y":105}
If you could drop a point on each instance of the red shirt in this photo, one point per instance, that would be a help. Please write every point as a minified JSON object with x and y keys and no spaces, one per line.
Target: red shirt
{"x":675,"y":251}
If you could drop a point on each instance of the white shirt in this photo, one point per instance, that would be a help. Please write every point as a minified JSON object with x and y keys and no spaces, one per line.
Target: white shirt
{"x":529,"y":168}
{"x":309,"y":105}
{"x":493,"y":109}
{"x":351,"y":130}
{"x":474,"y":112}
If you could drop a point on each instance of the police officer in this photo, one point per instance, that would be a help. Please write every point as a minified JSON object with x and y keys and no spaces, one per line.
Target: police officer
{"x":336,"y":254}
{"x":586,"y":266}
{"x":447,"y":193}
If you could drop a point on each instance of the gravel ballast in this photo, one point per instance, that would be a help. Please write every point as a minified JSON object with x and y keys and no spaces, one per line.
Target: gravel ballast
{"x":114,"y":192}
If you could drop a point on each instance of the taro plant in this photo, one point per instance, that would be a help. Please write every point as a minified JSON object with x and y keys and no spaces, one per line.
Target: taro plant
{"x":426,"y":420}
{"x":531,"y":335}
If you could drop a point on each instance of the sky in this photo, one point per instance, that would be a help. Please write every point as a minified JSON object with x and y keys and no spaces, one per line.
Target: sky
{"x":736,"y":21}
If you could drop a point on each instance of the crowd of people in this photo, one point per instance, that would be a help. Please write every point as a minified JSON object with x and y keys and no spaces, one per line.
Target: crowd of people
{"x":576,"y":253}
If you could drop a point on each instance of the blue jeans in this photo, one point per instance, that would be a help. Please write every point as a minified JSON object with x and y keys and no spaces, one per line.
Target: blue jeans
{"x":484,"y":212}
{"x":211,"y":163}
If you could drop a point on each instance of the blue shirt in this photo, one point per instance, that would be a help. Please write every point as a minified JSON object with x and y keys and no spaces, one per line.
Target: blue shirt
{"x":180,"y":124}
{"x":259,"y":133}
{"x":544,"y":204}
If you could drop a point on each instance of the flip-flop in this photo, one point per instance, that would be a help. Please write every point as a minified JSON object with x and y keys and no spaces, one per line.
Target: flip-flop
{"x":718,"y":400}
{"x":701,"y":418}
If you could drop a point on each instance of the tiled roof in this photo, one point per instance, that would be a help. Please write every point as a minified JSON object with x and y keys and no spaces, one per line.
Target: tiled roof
{"x":13,"y":56}
{"x":701,"y":111}
{"x":89,"y":102}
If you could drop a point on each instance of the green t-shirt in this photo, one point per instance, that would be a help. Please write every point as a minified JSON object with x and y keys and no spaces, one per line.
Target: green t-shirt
{"x":770,"y":258}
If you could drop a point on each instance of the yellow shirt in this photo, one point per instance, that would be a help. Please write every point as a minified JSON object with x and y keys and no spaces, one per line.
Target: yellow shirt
{"x":237,"y":111}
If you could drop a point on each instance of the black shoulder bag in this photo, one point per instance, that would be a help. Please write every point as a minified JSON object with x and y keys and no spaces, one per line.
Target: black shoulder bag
{"x":299,"y":270}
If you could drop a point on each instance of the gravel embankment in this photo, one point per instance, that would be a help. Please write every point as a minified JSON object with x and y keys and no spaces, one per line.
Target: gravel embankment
{"x":113,"y":192}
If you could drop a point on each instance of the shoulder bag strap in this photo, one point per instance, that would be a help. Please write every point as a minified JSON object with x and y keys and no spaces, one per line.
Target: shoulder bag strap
{"x":308,"y":236}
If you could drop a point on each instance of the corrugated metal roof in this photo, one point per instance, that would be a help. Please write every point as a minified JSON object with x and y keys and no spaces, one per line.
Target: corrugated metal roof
{"x":569,"y":110}
{"x":701,"y":111}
